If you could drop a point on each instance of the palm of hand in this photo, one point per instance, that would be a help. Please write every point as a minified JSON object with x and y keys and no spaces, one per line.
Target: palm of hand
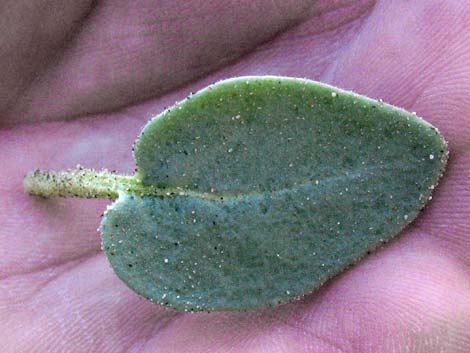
{"x":57,"y":291}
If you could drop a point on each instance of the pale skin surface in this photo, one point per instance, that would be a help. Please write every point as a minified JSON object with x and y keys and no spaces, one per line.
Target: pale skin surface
{"x":80,"y":79}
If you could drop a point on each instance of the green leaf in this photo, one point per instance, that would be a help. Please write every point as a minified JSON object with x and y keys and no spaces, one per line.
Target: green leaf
{"x":291,"y":181}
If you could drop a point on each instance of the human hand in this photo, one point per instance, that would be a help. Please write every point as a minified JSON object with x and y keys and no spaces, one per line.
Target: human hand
{"x":79,"y":81}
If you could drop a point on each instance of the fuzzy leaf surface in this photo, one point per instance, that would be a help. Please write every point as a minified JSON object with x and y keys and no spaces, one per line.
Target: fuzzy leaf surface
{"x":291,"y":182}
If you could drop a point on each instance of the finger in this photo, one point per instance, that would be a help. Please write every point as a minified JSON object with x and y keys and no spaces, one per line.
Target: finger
{"x":32,"y":36}
{"x":128,"y":51}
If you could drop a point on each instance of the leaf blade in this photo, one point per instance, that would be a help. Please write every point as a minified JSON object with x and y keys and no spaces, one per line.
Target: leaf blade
{"x":309,"y":173}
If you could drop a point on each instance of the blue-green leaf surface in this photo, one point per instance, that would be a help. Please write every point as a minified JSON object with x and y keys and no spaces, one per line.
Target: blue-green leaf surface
{"x":274,"y":186}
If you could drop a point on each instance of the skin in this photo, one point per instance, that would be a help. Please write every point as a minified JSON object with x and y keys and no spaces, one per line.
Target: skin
{"x":79,"y":81}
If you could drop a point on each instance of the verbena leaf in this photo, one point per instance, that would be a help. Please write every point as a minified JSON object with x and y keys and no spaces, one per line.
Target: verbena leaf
{"x":297,"y":181}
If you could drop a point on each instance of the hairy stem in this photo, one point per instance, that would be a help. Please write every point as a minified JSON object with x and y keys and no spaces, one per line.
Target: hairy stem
{"x":89,"y":183}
